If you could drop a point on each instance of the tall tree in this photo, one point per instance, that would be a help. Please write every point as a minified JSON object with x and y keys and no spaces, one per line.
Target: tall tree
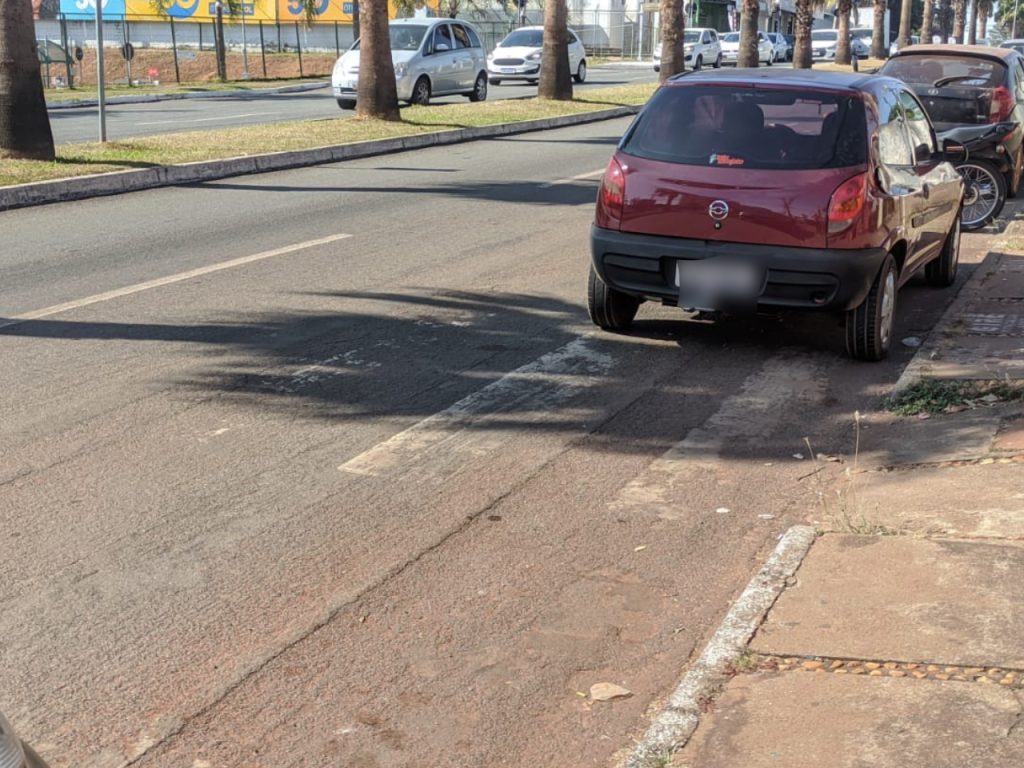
{"x":879,"y":45}
{"x":959,"y":19}
{"x":803,"y":22}
{"x":377,"y":96}
{"x":906,"y":10}
{"x":748,"y":57}
{"x":945,"y":19}
{"x":972,"y":30}
{"x":843,"y":10}
{"x":984,"y":13}
{"x":927,"y":21}
{"x":555,"y":77}
{"x":673,"y":24}
{"x":24,"y":123}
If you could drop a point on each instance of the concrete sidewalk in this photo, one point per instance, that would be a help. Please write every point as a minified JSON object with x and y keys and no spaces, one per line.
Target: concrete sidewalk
{"x":900,"y":642}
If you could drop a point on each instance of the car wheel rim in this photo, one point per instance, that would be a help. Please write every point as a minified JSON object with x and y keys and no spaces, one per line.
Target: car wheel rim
{"x":582,"y":72}
{"x":421,"y":92}
{"x":888,"y":307}
{"x":481,"y":88}
{"x":982,"y":195}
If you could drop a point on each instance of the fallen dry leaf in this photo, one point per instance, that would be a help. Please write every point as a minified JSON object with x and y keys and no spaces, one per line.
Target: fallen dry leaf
{"x":608,"y":691}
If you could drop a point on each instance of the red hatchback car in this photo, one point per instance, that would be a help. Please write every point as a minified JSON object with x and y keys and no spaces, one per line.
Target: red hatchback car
{"x":757,"y":190}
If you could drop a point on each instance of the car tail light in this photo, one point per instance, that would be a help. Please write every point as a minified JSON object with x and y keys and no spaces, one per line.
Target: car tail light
{"x":611,"y":197}
{"x":846,"y":204}
{"x":1002,"y":105}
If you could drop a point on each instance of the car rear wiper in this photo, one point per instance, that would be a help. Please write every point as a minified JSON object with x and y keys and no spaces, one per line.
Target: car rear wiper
{"x":947,"y":80}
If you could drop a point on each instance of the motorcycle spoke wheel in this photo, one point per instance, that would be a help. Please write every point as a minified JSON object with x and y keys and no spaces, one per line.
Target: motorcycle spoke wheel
{"x":981,"y":198}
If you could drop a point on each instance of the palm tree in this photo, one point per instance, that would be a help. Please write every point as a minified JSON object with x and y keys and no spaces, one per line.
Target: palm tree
{"x":959,"y":19}
{"x":927,"y":21}
{"x":945,"y":18}
{"x":748,"y":57}
{"x":24,"y":124}
{"x":555,"y":78}
{"x":879,"y":45}
{"x":972,"y":32}
{"x":802,"y":58}
{"x":984,"y":12}
{"x":843,"y":10}
{"x":673,"y":22}
{"x":906,"y":9}
{"x":377,"y":96}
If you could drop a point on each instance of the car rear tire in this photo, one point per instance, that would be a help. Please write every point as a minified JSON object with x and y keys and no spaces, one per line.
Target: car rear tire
{"x":495,"y":81}
{"x":870,"y":327}
{"x":718,"y":62}
{"x":347,"y":103}
{"x":941,"y":271}
{"x":581,"y":72}
{"x":421,"y":92}
{"x":479,"y":92}
{"x":610,"y":309}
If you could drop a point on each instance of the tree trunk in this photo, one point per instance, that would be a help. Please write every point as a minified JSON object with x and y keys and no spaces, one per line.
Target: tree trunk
{"x":972,"y":31}
{"x":355,"y":20}
{"x":927,"y":20}
{"x":673,"y":23}
{"x":983,"y":22}
{"x":945,"y":19}
{"x":555,"y":77}
{"x":959,"y":19}
{"x":879,"y":45}
{"x":748,"y":34}
{"x":24,"y":124}
{"x":802,"y":31}
{"x":843,"y":10}
{"x":377,"y":96}
{"x":906,"y":9}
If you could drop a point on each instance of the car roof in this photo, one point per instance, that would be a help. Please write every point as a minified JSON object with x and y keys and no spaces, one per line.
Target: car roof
{"x":795,"y":78}
{"x":1013,"y":41}
{"x":971,"y":51}
{"x":425,"y":22}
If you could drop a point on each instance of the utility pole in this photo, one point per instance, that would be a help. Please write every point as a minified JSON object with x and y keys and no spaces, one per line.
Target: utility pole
{"x":101,"y":85}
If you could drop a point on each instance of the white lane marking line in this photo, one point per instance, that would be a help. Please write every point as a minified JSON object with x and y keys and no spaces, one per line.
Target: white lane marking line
{"x":578,"y":177}
{"x":681,"y":715}
{"x":759,"y":407}
{"x":208,"y":119}
{"x":534,"y":389}
{"x":118,"y":293}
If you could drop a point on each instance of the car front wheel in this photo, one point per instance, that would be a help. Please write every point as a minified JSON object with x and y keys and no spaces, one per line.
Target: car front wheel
{"x":870,"y":327}
{"x":347,"y":103}
{"x":581,"y":72}
{"x":421,"y":92}
{"x":698,"y":63}
{"x":495,"y":81}
{"x":718,"y":62}
{"x":610,"y":309}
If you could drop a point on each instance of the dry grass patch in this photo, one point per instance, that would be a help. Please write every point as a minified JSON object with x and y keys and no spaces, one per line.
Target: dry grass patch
{"x":177,"y":148}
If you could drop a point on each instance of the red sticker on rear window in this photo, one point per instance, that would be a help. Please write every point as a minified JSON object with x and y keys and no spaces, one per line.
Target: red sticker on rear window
{"x":726,"y":160}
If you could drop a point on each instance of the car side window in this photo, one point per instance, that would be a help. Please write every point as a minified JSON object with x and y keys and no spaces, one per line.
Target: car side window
{"x":573,"y":39}
{"x":461,"y":36}
{"x":893,"y":147}
{"x":919,"y":128}
{"x":473,"y":38}
{"x":442,"y":38}
{"x":714,"y":36}
{"x":706,"y":39}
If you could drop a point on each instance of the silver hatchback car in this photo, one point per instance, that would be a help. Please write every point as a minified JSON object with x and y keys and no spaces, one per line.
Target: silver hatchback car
{"x":432,"y":57}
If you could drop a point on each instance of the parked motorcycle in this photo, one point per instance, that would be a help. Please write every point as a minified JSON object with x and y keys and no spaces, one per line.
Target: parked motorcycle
{"x":983,"y":166}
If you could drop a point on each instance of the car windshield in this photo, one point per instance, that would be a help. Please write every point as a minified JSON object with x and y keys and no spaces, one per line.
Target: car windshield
{"x":732,"y":37}
{"x":750,"y":128}
{"x":691,"y":36}
{"x":929,"y":69}
{"x":523,"y":38}
{"x":825,"y":35}
{"x":404,"y":37}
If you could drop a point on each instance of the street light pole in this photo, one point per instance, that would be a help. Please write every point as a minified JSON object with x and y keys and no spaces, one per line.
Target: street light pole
{"x":245,"y":48}
{"x":101,"y":85}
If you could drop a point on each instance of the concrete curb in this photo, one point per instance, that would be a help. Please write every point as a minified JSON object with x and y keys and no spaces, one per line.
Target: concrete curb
{"x":678,"y":720}
{"x":98,"y":185}
{"x":153,"y":97}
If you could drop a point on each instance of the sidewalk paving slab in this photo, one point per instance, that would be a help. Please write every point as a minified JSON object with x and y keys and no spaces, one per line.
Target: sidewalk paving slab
{"x":801,"y":719}
{"x":899,"y":598}
{"x":895,"y":441}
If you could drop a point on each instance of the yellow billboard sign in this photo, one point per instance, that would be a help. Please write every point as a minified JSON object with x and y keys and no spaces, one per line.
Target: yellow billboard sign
{"x":256,"y":10}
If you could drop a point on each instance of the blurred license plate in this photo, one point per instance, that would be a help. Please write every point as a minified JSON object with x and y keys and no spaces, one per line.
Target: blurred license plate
{"x":714,"y":284}
{"x":509,"y":70}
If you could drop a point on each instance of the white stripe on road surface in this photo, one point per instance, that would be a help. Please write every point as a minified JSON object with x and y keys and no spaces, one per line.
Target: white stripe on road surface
{"x":209,"y":119}
{"x":579,"y":177}
{"x":170,"y":279}
{"x":529,"y":393}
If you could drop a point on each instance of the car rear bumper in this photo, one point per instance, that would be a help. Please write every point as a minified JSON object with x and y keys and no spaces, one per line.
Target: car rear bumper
{"x":798,"y":278}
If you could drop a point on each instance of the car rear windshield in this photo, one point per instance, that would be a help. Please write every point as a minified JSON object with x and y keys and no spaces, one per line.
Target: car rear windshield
{"x":939,"y":71}
{"x":524,"y":38}
{"x":750,"y":128}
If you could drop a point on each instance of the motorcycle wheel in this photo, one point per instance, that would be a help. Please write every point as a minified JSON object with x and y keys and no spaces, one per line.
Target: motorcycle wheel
{"x":984,"y":193}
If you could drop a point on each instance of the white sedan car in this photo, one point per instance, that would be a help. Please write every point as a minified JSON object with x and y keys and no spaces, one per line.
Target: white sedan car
{"x":824,"y":43}
{"x":700,"y":48}
{"x":731,"y":48}
{"x":518,"y":57}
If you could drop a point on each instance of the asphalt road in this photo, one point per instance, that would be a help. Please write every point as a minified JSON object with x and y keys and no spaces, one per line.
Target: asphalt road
{"x":128,"y":120}
{"x":328,"y":467}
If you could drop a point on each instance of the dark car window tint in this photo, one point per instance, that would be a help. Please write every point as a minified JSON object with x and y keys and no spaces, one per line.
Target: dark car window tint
{"x":929,"y":69}
{"x":461,"y":38}
{"x":443,"y":37}
{"x":473,"y":38}
{"x":917,"y":122}
{"x":893,"y":147}
{"x":750,"y":128}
